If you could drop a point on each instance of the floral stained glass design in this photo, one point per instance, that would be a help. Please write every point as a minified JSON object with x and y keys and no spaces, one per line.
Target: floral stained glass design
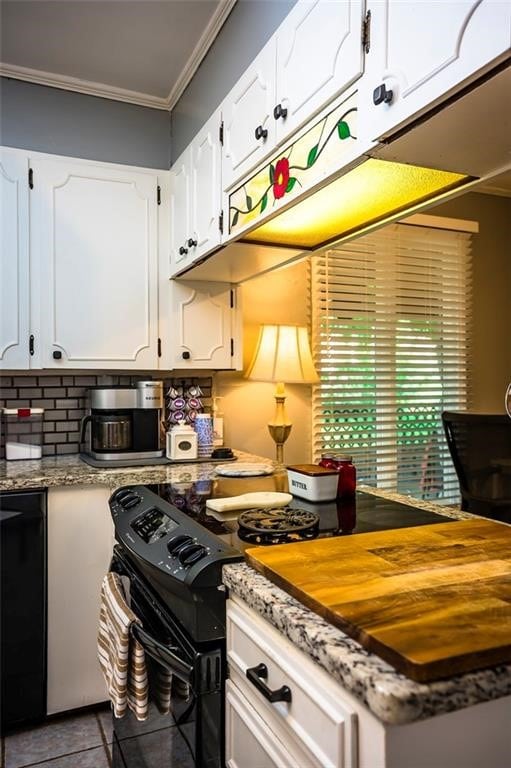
{"x":310,"y":158}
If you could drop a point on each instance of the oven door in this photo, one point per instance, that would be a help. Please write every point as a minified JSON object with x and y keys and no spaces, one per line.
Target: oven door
{"x":184,"y":728}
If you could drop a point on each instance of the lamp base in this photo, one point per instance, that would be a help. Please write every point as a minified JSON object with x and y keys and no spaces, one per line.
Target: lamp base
{"x":279,"y":433}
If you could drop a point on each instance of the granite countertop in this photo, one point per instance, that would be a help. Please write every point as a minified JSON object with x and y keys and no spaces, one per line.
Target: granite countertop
{"x":392,"y":697}
{"x":71,"y":470}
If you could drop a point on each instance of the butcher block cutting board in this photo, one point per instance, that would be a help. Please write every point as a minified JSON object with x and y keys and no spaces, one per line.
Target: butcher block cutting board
{"x":433,"y":601}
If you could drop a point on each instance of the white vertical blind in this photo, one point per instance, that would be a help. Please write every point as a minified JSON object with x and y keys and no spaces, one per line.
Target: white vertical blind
{"x":390,"y":317}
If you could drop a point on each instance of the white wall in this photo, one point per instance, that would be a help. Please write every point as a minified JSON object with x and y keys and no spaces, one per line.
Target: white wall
{"x":490,"y":344}
{"x":281,"y":296}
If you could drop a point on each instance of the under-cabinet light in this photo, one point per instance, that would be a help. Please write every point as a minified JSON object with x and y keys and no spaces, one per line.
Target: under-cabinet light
{"x":369,"y":193}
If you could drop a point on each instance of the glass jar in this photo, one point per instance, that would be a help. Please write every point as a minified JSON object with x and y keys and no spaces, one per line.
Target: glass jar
{"x":23,"y":433}
{"x":328,"y":460}
{"x":347,"y":481}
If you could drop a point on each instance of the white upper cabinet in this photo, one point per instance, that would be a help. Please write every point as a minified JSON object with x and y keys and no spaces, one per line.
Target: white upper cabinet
{"x":315,"y":55}
{"x":249,"y":125}
{"x":195,"y":198}
{"x":95,"y":228}
{"x":422,"y":51}
{"x":319,"y":54}
{"x":180,"y":210}
{"x":204,"y":326}
{"x":14,"y":260}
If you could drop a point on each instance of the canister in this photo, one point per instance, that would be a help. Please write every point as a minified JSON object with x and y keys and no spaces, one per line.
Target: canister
{"x":204,"y":429}
{"x":312,"y":482}
{"x":181,"y":443}
{"x":23,"y":429}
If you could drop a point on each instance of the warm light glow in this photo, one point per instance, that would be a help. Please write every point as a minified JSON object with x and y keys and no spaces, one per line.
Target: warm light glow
{"x":283,"y":355}
{"x":367,"y":194}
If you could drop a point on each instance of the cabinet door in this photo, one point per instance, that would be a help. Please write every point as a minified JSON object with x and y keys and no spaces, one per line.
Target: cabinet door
{"x":80,"y":542}
{"x":14,"y":260}
{"x":202,"y":322}
{"x":206,"y":189}
{"x":319,"y":53}
{"x":422,"y":51}
{"x":96,"y":229}
{"x":180,"y":208}
{"x":249,"y":743}
{"x":249,"y":108}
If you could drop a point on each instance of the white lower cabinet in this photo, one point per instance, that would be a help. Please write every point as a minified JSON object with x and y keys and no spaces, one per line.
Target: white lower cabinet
{"x":80,"y":542}
{"x":325,"y":726}
{"x":250,"y":741}
{"x":317,"y":728}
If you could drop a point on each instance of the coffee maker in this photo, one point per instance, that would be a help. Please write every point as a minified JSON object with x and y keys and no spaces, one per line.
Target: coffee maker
{"x":125,"y":425}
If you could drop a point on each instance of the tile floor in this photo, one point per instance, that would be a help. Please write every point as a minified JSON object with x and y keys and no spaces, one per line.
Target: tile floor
{"x":81,"y":740}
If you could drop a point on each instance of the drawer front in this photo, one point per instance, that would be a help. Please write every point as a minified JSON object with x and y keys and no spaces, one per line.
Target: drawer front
{"x":249,"y":742}
{"x":324,"y":724}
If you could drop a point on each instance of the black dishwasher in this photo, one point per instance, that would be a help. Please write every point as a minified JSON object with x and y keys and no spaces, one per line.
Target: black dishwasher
{"x":23,"y":607}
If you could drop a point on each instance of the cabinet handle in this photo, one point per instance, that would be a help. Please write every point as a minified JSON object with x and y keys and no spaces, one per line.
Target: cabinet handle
{"x":382,"y":96}
{"x":260,"y":132}
{"x":192,"y":243}
{"x":185,"y":355}
{"x":279,"y":111}
{"x":183,"y":251}
{"x":57,"y":355}
{"x":255,"y":674}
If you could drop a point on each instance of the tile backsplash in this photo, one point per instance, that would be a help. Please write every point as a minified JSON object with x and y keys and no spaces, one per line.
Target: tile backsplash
{"x":63,"y":400}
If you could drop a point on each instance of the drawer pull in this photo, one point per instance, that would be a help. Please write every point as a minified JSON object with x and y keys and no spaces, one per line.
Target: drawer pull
{"x":255,"y":674}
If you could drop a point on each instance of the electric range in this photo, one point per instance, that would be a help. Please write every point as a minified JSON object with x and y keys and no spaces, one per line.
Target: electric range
{"x":365,"y":513}
{"x":171,"y":549}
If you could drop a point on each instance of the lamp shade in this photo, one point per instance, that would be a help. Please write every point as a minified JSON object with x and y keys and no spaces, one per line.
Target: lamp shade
{"x":283,"y":355}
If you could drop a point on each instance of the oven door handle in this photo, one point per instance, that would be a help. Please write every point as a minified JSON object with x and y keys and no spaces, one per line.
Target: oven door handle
{"x":162,"y":654}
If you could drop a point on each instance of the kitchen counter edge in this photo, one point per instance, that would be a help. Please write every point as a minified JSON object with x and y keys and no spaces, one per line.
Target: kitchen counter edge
{"x":390,"y":696}
{"x":71,"y":470}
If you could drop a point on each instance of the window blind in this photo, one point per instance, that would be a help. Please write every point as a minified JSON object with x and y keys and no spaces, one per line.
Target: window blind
{"x":390,"y":318}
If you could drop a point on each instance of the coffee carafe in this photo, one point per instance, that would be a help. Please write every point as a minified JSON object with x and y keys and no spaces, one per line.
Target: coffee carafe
{"x":125,"y":423}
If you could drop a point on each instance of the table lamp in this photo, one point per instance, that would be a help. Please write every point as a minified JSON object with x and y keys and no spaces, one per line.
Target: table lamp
{"x":282,"y":355}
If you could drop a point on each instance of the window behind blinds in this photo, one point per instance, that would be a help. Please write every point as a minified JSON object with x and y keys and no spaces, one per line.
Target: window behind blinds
{"x":390,"y":319}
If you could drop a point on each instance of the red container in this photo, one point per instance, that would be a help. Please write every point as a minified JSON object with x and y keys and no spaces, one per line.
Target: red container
{"x":347,"y":482}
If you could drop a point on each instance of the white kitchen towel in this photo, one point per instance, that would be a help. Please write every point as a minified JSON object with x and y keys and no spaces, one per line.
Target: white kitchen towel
{"x":121,"y":657}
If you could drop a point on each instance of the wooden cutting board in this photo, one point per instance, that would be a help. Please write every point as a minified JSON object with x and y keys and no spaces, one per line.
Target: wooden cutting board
{"x":433,"y":600}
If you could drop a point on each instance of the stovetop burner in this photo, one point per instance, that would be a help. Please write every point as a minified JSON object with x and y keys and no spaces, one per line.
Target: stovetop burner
{"x":277,"y":526}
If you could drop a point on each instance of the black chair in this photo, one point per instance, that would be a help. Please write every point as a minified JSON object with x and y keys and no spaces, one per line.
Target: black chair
{"x":480,"y":447}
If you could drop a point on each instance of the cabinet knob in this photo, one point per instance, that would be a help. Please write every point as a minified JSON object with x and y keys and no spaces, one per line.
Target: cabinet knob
{"x":279,"y":112}
{"x":57,"y":355}
{"x":192,"y":243}
{"x":185,"y":355}
{"x":260,"y":132}
{"x":381,"y":95}
{"x":183,"y":251}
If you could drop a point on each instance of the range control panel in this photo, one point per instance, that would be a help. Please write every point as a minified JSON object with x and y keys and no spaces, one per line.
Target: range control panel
{"x":167,"y":538}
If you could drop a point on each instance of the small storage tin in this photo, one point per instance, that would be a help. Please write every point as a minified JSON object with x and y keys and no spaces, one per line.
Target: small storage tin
{"x":181,"y":443}
{"x":312,"y":482}
{"x":23,"y":430}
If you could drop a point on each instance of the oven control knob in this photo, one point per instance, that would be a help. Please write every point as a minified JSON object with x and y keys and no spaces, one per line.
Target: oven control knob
{"x":176,"y":543}
{"x":127,"y":502}
{"x":191,"y":553}
{"x":120,"y":495}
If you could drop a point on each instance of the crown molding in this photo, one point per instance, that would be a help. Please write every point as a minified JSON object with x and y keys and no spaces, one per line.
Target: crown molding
{"x":217,"y":20}
{"x":104,"y":91}
{"x":81,"y":86}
